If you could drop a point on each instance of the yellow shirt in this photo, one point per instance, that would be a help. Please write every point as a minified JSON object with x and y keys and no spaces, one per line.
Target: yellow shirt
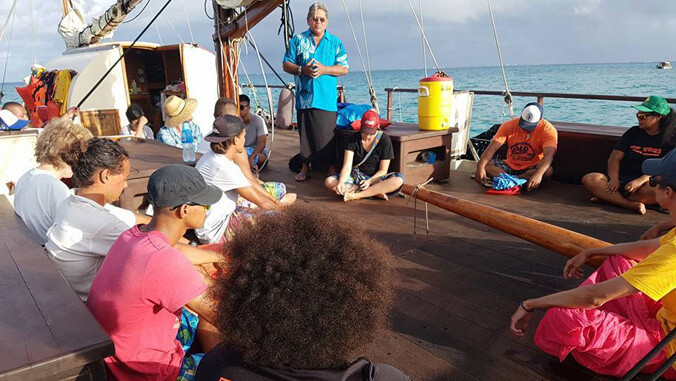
{"x":655,"y":276}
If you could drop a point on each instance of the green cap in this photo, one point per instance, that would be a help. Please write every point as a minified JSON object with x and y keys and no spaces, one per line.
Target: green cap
{"x":654,"y":103}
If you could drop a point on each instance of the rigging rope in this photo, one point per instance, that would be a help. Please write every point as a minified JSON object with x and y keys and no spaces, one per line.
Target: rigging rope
{"x":507,"y":95}
{"x":367,"y":73}
{"x":372,"y":91}
{"x":30,"y":22}
{"x":424,"y":49}
{"x":129,"y":49}
{"x":9,"y":45}
{"x":172,"y":27}
{"x":9,"y":16}
{"x":152,"y":9}
{"x":422,"y":31}
{"x":192,"y":38}
{"x":289,"y":28}
{"x":135,"y":17}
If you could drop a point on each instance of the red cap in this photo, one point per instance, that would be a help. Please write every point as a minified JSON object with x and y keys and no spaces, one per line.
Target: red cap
{"x":370,"y":122}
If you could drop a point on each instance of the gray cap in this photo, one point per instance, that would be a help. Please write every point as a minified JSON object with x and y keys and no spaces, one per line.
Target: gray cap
{"x":179,"y":184}
{"x":225,"y":127}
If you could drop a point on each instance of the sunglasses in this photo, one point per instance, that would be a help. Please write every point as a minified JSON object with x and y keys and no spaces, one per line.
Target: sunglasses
{"x":242,"y":107}
{"x":656,"y":180}
{"x":206,"y":207}
{"x":320,"y":20}
{"x":643,"y":115}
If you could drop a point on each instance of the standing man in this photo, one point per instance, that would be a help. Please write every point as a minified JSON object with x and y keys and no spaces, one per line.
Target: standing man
{"x":316,"y":58}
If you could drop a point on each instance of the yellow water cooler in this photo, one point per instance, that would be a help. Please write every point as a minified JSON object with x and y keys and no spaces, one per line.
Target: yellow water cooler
{"x":435,"y":99}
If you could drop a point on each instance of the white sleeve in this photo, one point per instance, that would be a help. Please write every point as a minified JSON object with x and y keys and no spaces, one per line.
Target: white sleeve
{"x":124,"y":215}
{"x":230,"y":177}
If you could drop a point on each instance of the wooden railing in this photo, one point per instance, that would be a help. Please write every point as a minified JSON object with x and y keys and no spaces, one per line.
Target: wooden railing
{"x":539,"y":96}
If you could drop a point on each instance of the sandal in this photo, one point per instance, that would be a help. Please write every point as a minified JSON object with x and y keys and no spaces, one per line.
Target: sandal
{"x":301,"y":176}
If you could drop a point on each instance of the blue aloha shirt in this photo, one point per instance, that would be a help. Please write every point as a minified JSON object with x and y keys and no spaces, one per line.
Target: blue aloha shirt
{"x":319,"y":92}
{"x":168,"y":135}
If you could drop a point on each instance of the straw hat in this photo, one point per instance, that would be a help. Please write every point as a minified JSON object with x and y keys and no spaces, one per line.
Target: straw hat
{"x":178,"y":110}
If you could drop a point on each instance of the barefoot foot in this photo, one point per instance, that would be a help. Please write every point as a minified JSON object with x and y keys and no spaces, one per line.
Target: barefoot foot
{"x":640,"y":208}
{"x":382,"y":196}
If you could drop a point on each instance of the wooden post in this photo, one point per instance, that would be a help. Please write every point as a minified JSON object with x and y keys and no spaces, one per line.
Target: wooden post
{"x":557,"y":239}
{"x":389,"y":104}
{"x":541,"y":100}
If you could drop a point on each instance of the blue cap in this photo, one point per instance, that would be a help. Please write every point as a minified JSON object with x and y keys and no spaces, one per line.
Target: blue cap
{"x":530,"y":116}
{"x":9,"y":121}
{"x":665,"y":167}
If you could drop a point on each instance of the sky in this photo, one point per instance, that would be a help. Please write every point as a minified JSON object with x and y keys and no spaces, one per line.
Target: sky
{"x":459,"y":31}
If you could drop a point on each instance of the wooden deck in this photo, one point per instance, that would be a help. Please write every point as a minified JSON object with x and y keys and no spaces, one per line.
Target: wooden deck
{"x":458,"y":287}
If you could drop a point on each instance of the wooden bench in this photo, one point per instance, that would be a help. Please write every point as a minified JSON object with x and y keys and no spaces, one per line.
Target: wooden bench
{"x":408,"y":141}
{"x":146,"y":156}
{"x":46,"y":330}
{"x":583,"y":148}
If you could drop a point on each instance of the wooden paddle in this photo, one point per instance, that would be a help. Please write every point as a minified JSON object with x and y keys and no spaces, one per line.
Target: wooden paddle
{"x":557,"y":239}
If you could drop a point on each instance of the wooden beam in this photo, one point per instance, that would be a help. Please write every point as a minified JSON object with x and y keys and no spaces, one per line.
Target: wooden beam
{"x":237,"y":28}
{"x":557,"y":239}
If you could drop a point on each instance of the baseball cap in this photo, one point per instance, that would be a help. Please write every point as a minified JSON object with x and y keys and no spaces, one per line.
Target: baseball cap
{"x":179,"y":184}
{"x":530,"y":116}
{"x":370,"y":122}
{"x":225,"y":127}
{"x":665,"y":167}
{"x":654,"y":103}
{"x":9,"y":121}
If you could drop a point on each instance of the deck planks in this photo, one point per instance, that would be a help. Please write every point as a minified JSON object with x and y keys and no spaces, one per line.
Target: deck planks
{"x":457,"y":288}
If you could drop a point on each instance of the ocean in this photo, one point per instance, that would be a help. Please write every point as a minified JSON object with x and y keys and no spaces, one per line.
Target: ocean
{"x":632,"y":79}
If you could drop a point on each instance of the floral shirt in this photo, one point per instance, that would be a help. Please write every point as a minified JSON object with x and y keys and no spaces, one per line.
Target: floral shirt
{"x":319,"y":92}
{"x":169,"y":135}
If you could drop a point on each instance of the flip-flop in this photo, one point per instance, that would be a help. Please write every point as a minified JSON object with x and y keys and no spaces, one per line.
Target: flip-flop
{"x":301,"y":176}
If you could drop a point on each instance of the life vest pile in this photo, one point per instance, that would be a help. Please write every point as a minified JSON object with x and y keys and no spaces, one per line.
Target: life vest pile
{"x":46,"y":95}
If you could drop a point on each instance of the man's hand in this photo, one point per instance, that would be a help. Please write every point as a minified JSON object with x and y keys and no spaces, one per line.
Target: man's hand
{"x":480,"y":175}
{"x":520,"y":321}
{"x":308,"y":69}
{"x":633,"y":185}
{"x":342,"y":188}
{"x":364,"y":185}
{"x":534,"y":182}
{"x":573,"y":268}
{"x":317,"y":68}
{"x":251,"y":162}
{"x":612,"y":186}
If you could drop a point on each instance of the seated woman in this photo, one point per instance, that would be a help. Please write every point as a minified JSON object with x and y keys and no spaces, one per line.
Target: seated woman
{"x":217,"y":168}
{"x":39,"y":192}
{"x":624,"y":184}
{"x":276,"y":291}
{"x":372,"y":150}
{"x":178,"y":112}
{"x":138,"y":123}
{"x":623,"y":309}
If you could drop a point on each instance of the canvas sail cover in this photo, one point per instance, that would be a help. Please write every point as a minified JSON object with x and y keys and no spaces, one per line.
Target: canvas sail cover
{"x":76,"y":32}
{"x":232,"y":4}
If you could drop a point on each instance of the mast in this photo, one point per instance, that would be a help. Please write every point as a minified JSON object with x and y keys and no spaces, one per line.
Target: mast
{"x":229,"y":27}
{"x":64,"y":7}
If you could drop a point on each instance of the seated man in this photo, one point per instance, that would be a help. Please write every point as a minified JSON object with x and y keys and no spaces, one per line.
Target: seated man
{"x":218,"y":169}
{"x":138,"y":123}
{"x":372,"y":152}
{"x":325,"y":299}
{"x":146,"y":288}
{"x":531,"y":145}
{"x":623,"y":309}
{"x":17,"y":109}
{"x":256,"y":134}
{"x":40,"y":191}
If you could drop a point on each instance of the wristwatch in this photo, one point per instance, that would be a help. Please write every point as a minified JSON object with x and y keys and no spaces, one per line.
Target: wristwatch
{"x":300,"y":70}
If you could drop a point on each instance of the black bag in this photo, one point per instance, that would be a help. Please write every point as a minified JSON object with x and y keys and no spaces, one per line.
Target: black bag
{"x":296,"y":163}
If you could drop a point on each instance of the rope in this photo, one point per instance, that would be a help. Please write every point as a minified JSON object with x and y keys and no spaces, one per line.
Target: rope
{"x":152,"y":9}
{"x":135,"y":17}
{"x":424,"y":49}
{"x":9,"y":16}
{"x":422,"y":31}
{"x":367,"y":73}
{"x":122,"y":56}
{"x":507,"y":95}
{"x":172,"y":27}
{"x":372,"y":91}
{"x":187,"y":19}
{"x":9,"y":45}
{"x":30,"y":22}
{"x":414,"y":195}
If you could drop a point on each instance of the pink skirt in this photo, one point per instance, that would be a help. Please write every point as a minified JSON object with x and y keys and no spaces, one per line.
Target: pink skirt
{"x":610,"y":339}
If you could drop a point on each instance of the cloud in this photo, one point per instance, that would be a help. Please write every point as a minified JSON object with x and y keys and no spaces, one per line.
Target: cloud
{"x":585,"y":7}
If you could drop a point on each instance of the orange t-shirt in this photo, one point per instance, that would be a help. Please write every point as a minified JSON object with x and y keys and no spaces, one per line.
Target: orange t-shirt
{"x":524,"y":149}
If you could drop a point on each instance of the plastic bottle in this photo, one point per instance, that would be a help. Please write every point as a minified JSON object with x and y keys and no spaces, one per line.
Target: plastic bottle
{"x":188,"y":143}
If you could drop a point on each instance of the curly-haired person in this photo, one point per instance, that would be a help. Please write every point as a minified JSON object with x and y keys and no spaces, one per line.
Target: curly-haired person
{"x":39,"y":192}
{"x":301,"y":311}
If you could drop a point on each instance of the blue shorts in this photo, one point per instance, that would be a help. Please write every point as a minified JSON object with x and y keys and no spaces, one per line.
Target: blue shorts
{"x":350,"y":180}
{"x":250,"y":151}
{"x":186,"y":336}
{"x":509,"y":170}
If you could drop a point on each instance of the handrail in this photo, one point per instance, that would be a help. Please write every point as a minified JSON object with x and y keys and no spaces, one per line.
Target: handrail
{"x":340,"y":88}
{"x":540,"y":96}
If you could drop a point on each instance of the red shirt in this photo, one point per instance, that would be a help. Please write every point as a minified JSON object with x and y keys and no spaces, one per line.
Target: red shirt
{"x":137,"y":297}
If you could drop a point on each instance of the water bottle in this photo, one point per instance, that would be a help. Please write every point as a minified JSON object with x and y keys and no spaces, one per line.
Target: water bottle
{"x":188,"y":143}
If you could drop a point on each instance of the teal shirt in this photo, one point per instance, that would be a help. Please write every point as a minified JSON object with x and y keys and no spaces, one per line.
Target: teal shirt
{"x":319,"y":92}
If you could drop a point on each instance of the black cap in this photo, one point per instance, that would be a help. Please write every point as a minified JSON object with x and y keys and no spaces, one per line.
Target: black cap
{"x":179,"y":184}
{"x":225,"y":127}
